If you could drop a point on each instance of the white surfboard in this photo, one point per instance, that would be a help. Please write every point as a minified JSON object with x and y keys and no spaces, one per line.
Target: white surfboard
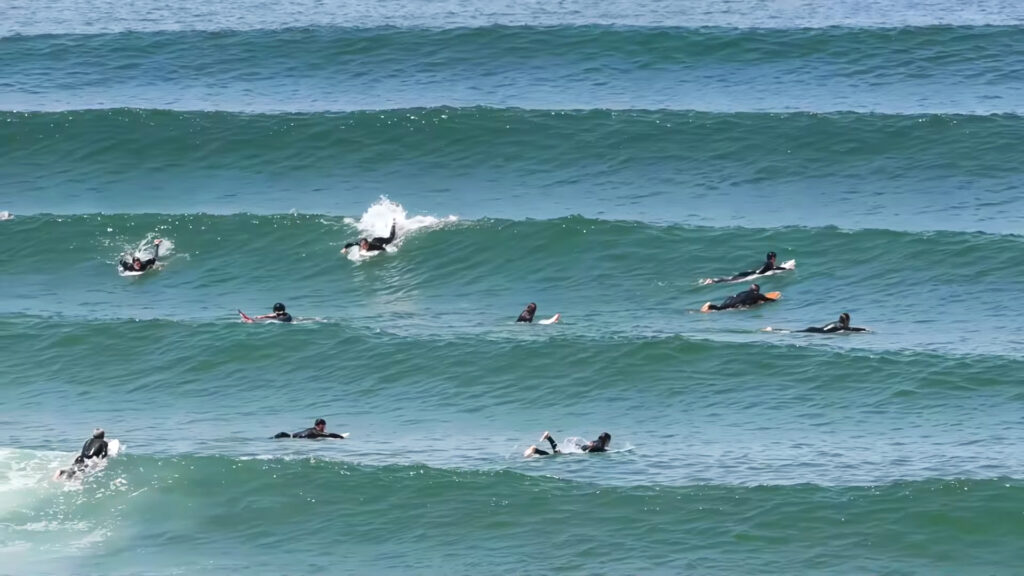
{"x":551,"y":320}
{"x":356,"y":255}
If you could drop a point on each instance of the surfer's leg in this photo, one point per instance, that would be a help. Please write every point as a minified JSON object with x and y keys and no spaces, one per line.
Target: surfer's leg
{"x":554,"y":446}
{"x":282,"y":435}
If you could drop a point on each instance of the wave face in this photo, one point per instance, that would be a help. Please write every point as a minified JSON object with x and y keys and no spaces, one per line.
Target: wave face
{"x":354,"y":519}
{"x":598,"y":160}
{"x":922,"y":172}
{"x":930,"y":69}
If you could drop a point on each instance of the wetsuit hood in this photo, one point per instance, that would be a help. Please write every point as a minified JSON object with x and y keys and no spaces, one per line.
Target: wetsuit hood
{"x":98,"y":433}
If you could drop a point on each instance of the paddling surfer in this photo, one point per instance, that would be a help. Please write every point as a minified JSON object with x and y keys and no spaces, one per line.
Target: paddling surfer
{"x":95,"y":447}
{"x":278,"y":315}
{"x":317,"y":431}
{"x":842,"y":325}
{"x":741,"y":300}
{"x":138,"y":264}
{"x":372,"y":245}
{"x":768,"y":266}
{"x":599,"y":445}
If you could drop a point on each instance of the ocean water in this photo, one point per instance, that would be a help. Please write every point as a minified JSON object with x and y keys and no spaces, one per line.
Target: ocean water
{"x":598,"y":159}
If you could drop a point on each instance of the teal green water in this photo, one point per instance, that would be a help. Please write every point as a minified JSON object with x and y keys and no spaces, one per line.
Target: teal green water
{"x":596,"y":160}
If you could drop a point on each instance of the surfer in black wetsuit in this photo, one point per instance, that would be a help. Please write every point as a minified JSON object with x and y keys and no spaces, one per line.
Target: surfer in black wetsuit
{"x":95,"y":447}
{"x":138,"y":264}
{"x":843,"y":325}
{"x":279,"y":315}
{"x":741,"y":300}
{"x":527,"y":313}
{"x":768,"y":266}
{"x":317,"y":431}
{"x":599,"y":445}
{"x":372,"y":245}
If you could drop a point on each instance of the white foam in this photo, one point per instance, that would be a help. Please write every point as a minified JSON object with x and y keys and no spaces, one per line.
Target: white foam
{"x":5,"y":215}
{"x":377,"y":219}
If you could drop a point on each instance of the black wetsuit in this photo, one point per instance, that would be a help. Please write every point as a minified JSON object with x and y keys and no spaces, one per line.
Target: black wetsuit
{"x":527,"y":315}
{"x":745,"y":298}
{"x":93,"y":448}
{"x":145,"y":264}
{"x":282,"y":317}
{"x":376,"y":244}
{"x":312,"y":433}
{"x":768,"y":266}
{"x":595,"y":446}
{"x":832,"y":327}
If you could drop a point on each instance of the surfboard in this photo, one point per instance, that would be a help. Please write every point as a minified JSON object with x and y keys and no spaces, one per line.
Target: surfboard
{"x":113,"y":448}
{"x":770,"y":295}
{"x":356,"y":255}
{"x":788,"y":265}
{"x":123,"y":272}
{"x":245,"y":318}
{"x":551,"y":320}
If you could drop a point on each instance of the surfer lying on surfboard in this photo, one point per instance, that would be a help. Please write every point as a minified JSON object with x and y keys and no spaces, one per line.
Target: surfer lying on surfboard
{"x":743,"y":299}
{"x":278,"y":315}
{"x":599,"y":445}
{"x":317,"y":431}
{"x":138,"y":264}
{"x":531,"y":309}
{"x":768,"y":266}
{"x":95,"y":447}
{"x":372,"y":245}
{"x":842,"y":325}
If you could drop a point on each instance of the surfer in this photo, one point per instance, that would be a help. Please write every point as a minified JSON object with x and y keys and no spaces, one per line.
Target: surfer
{"x":95,"y":447}
{"x":317,"y":431}
{"x":842,"y":325}
{"x":138,"y":264}
{"x":527,"y":313}
{"x":279,"y":315}
{"x":768,"y":266}
{"x":741,"y":300}
{"x":599,"y":445}
{"x":372,"y":245}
